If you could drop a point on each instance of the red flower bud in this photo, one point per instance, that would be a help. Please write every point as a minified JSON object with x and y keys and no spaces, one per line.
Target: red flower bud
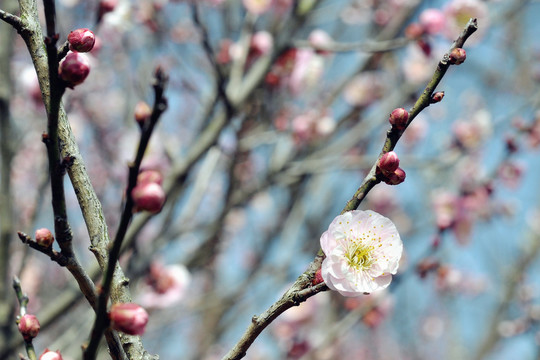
{"x":148,"y":197}
{"x":28,"y":326}
{"x":44,"y":237}
{"x":395,"y":178}
{"x":437,"y":97}
{"x":128,"y":318}
{"x":457,"y":56}
{"x":149,"y":176}
{"x":142,"y":112}
{"x":74,"y":69}
{"x":399,"y":118}
{"x":388,"y":163}
{"x":81,"y":40}
{"x":50,"y":355}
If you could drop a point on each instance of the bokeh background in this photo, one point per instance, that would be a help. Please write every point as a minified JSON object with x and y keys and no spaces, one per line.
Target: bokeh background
{"x":260,"y":173}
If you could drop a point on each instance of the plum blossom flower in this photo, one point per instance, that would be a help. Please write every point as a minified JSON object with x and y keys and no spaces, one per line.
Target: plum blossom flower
{"x":362,"y":249}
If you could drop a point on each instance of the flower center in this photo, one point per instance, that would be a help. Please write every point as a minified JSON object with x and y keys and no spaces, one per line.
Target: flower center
{"x":358,"y":256}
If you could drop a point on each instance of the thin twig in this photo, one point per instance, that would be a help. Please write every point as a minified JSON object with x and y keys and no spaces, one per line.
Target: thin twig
{"x":23,"y":302}
{"x":12,"y":20}
{"x":101,"y":321}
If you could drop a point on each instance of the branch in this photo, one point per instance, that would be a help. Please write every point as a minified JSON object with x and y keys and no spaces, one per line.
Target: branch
{"x":12,"y":20}
{"x":101,"y":322}
{"x":301,"y":289}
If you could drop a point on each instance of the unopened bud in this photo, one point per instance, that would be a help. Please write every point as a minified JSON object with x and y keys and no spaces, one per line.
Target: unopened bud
{"x":148,"y":197}
{"x":437,"y":97}
{"x":44,"y":237}
{"x":149,"y":176}
{"x":128,"y":318}
{"x":399,"y":118}
{"x":142,"y":112}
{"x":28,"y":326}
{"x":50,"y":355}
{"x":388,"y":163}
{"x":457,"y":56}
{"x":74,"y":69}
{"x":395,"y":178}
{"x":81,"y":40}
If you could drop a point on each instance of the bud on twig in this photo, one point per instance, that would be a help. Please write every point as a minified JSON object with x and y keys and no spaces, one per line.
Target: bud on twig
{"x":128,"y":318}
{"x":457,"y":56}
{"x":74,"y":69}
{"x":398,"y":118}
{"x":81,"y":40}
{"x":50,"y":355}
{"x":437,"y":97}
{"x":29,"y":326}
{"x":148,"y":197}
{"x":44,"y":237}
{"x":142,"y":113}
{"x":388,"y":163}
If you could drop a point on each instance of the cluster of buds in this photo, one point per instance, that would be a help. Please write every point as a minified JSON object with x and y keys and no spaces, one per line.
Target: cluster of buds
{"x":398,"y":118}
{"x":128,"y":318}
{"x":44,"y":237}
{"x":388,"y":169}
{"x":149,"y":195}
{"x":75,"y":67}
{"x":50,"y":355}
{"x":29,"y":326}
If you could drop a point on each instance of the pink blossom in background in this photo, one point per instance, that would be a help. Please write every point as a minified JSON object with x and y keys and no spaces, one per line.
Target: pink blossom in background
{"x":262,"y":43}
{"x":510,"y":173}
{"x":432,"y":20}
{"x":319,"y":39}
{"x":165,"y":286}
{"x":364,"y":89}
{"x":362,"y":249}
{"x":458,"y":13}
{"x":445,"y":208}
{"x":306,"y":72}
{"x":311,"y":126}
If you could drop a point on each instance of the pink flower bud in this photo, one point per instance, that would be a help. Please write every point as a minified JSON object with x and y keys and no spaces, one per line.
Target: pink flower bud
{"x":28,"y":326}
{"x":74,"y":69}
{"x":437,"y":97}
{"x":128,"y":318}
{"x":44,"y":237}
{"x":395,"y":178}
{"x":388,"y":163}
{"x":457,"y":56}
{"x":81,"y":40}
{"x":148,"y":197}
{"x":399,"y":118}
{"x":50,"y":355}
{"x":149,"y":176}
{"x":142,"y":112}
